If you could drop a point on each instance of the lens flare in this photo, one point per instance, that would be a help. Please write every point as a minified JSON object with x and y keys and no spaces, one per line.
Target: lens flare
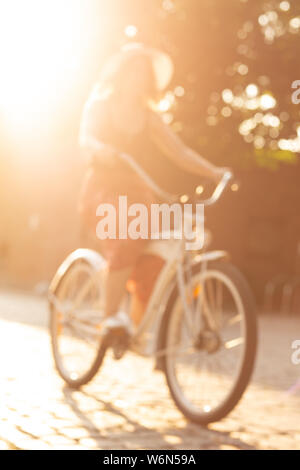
{"x":40,"y":44}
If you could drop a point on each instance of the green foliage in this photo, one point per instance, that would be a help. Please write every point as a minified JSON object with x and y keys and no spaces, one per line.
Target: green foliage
{"x":272,"y":158}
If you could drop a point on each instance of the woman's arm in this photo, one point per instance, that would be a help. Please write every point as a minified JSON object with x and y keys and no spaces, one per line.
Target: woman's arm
{"x":96,"y":151}
{"x":179,"y":153}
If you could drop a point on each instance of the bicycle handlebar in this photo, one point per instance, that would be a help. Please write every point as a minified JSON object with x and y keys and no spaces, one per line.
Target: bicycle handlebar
{"x":227,"y":177}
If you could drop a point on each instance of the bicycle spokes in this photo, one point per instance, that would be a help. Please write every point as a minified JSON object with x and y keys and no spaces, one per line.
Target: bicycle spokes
{"x":205,"y":360}
{"x":78,"y":315}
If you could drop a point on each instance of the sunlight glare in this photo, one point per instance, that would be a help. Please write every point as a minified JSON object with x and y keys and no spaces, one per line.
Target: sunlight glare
{"x":40,"y":50}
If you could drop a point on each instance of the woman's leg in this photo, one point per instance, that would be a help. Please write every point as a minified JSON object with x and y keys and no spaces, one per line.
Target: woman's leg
{"x":121,"y":255}
{"x":115,"y":288}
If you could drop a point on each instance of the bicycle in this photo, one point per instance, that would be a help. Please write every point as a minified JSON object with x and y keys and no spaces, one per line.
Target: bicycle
{"x":199,"y":324}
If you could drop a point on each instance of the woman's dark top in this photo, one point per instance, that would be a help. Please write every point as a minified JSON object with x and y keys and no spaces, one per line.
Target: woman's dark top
{"x":97,"y":123}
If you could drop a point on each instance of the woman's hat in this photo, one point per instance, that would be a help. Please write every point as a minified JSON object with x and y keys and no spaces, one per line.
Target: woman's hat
{"x":161,"y":62}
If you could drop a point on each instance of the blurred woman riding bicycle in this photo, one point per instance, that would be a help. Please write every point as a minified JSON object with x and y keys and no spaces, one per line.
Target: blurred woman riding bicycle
{"x":120,"y":119}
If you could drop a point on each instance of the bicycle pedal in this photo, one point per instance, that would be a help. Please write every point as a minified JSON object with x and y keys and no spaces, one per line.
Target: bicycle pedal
{"x":119,"y":341}
{"x":118,"y":352}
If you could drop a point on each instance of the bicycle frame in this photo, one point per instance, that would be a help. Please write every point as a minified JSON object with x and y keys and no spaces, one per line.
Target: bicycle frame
{"x":173,"y":252}
{"x":145,"y":339}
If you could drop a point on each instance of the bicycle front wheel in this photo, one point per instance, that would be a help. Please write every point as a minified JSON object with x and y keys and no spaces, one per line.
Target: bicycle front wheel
{"x":75,"y":322}
{"x":208,"y":360}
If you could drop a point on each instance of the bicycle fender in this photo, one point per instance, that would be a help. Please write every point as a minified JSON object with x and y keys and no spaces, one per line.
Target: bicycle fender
{"x":92,"y":257}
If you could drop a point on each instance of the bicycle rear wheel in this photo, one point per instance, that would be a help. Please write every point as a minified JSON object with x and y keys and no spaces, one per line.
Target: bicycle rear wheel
{"x":208,"y":364}
{"x":75,"y":321}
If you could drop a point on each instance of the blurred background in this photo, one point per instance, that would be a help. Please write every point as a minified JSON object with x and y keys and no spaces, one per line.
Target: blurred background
{"x":230,"y":99}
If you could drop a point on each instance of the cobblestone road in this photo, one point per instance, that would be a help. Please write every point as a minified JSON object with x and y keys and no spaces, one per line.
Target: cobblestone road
{"x":128,"y":406}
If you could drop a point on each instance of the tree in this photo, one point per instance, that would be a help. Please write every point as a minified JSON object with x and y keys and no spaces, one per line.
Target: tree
{"x":236,"y":61}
